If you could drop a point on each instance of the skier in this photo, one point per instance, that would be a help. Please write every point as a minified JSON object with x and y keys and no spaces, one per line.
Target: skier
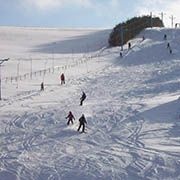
{"x":121,"y":54}
{"x":170,"y":50}
{"x":42,"y":86}
{"x":129,"y":45}
{"x":70,"y":118}
{"x":168,"y":45}
{"x":62,"y":77}
{"x":82,"y":122}
{"x":83,"y":97}
{"x":165,"y":36}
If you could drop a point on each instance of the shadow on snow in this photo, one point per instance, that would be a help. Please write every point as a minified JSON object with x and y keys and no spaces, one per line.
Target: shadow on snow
{"x":78,"y":44}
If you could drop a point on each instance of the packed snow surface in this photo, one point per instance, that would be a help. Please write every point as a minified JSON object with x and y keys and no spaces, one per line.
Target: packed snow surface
{"x":132,"y":105}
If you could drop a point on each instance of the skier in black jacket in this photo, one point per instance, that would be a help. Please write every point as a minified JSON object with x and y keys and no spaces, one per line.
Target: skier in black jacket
{"x":83,"y":97}
{"x":82,"y":122}
{"x":42,"y":86}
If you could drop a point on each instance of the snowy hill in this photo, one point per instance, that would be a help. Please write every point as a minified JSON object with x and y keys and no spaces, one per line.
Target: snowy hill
{"x":18,"y":42}
{"x":132,"y":107}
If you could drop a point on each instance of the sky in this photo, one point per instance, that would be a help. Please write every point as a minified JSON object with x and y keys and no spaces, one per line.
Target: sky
{"x":83,"y":13}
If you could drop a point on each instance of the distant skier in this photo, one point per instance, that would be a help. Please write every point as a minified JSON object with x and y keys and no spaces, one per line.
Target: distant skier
{"x":165,"y":37}
{"x":83,"y":97}
{"x":143,"y":38}
{"x":129,"y":45}
{"x":121,"y":55}
{"x":70,"y":118}
{"x":42,"y":86}
{"x":82,"y":122}
{"x":62,"y":77}
{"x":170,"y":50}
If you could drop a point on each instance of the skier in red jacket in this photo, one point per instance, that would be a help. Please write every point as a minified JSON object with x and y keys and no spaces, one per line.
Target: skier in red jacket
{"x":62,"y":78}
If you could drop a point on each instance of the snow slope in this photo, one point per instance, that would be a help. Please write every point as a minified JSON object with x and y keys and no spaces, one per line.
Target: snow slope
{"x":132,"y":111}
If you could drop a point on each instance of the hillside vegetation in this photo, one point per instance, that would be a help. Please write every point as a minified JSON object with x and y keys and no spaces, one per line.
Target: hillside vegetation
{"x":131,"y":28}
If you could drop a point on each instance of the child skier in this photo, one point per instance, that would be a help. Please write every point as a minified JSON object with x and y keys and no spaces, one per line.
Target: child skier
{"x":70,"y":118}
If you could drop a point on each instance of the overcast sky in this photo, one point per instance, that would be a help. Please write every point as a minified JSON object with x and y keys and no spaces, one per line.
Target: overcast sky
{"x":82,"y":13}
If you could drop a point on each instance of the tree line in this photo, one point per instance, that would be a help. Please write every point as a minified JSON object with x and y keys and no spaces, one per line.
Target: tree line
{"x":125,"y":31}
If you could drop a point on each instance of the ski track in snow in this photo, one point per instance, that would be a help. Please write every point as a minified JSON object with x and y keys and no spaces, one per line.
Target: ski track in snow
{"x":35,"y":143}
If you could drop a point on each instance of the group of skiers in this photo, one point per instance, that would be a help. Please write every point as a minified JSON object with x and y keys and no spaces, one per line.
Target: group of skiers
{"x":70,"y":117}
{"x":129,"y":47}
{"x":62,"y":81}
{"x":143,"y":38}
{"x":82,"y":119}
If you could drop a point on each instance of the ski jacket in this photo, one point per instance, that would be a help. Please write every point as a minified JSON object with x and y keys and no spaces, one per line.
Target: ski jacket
{"x":62,"y":77}
{"x":70,"y":116}
{"x":83,"y":96}
{"x":82,"y":120}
